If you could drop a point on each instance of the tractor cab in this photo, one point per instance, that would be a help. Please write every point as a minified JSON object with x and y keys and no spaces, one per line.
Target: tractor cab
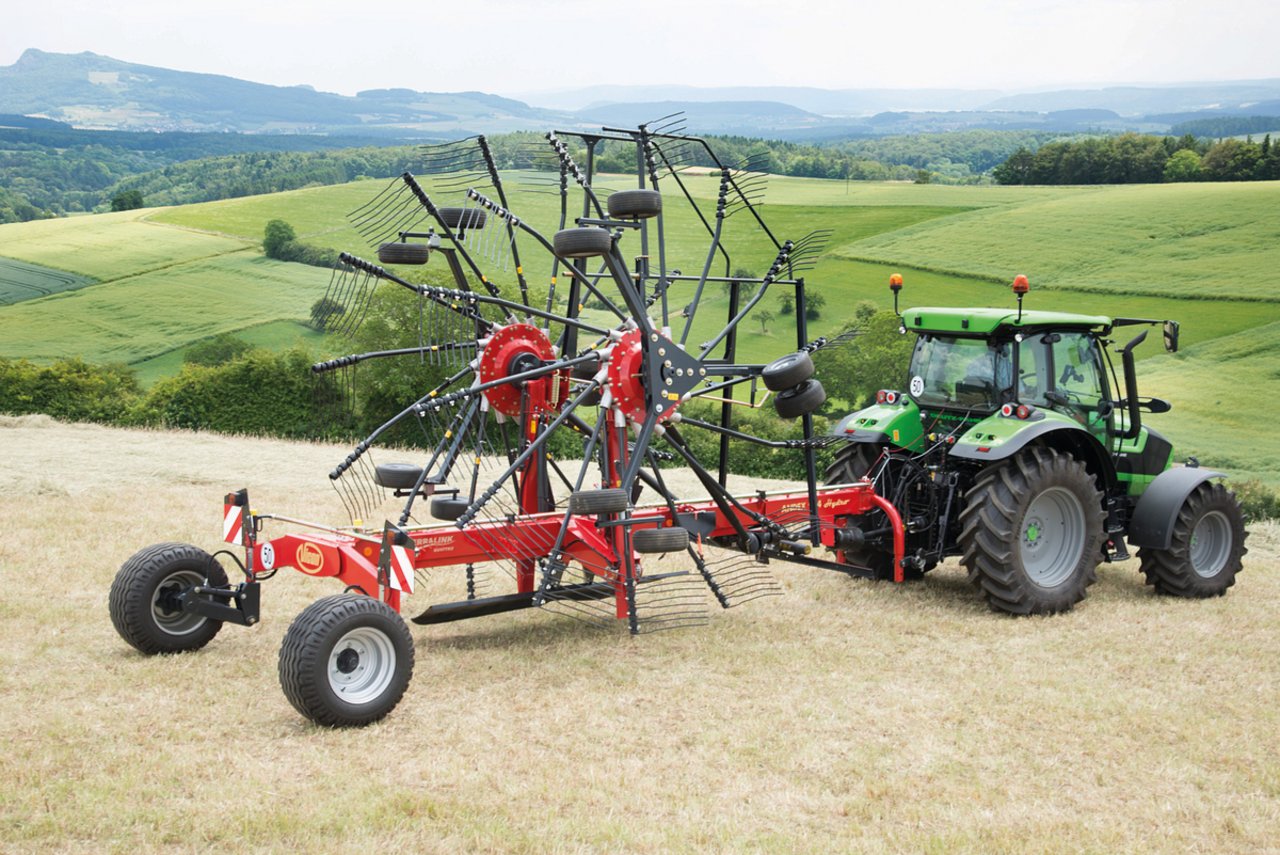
{"x":970,"y":364}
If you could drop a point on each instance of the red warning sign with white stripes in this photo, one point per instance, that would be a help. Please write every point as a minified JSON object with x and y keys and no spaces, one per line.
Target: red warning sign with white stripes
{"x":401,"y":569}
{"x":233,"y":524}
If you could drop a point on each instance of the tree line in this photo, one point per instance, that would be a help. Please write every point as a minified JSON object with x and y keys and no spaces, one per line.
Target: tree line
{"x":1142,"y":159}
{"x":49,"y":172}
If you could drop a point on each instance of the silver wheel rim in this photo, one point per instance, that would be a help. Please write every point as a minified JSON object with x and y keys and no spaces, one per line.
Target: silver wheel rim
{"x":1051,"y":537}
{"x":1210,"y":544}
{"x":167,"y":614}
{"x":361,"y":665}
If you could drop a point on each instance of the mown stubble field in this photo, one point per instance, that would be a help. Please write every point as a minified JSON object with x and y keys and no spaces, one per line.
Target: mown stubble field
{"x":844,"y":715}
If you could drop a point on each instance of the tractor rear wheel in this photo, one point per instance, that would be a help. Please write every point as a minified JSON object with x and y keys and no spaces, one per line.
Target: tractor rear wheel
{"x":1032,"y":532}
{"x":144,"y":601}
{"x":346,"y":660}
{"x":1204,"y":555}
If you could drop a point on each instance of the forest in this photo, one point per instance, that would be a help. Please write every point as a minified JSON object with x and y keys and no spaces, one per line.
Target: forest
{"x":1142,"y":159}
{"x":52,"y":170}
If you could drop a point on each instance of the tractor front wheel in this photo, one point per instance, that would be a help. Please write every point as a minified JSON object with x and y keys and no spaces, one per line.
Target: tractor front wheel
{"x":346,"y":660}
{"x":1032,"y":533}
{"x":1204,"y":554}
{"x":144,"y":603}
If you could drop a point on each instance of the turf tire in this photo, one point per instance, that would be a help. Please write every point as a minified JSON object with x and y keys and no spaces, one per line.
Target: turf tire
{"x":660,"y":540}
{"x":1011,"y":514}
{"x":1204,"y":554}
{"x":802,"y":399}
{"x":463,"y":218}
{"x":582,"y":242}
{"x":449,"y":507}
{"x":146,"y":581}
{"x":324,"y":654}
{"x":612,"y":500}
{"x":397,"y":476}
{"x":787,"y":371}
{"x":634,"y":204}
{"x":404,"y":253}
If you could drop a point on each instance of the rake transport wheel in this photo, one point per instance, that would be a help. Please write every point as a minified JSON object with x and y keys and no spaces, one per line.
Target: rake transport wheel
{"x":1204,"y":554}
{"x":404,"y":253}
{"x":660,"y":540}
{"x":796,"y":402}
{"x":144,"y":601}
{"x":346,"y":660}
{"x":635,"y":204}
{"x":1032,"y":532}
{"x":787,"y":371}
{"x":464,"y":218}
{"x":611,"y":500}
{"x":582,"y":242}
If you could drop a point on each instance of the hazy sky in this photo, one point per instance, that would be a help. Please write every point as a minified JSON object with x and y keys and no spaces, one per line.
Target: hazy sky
{"x":520,"y":46}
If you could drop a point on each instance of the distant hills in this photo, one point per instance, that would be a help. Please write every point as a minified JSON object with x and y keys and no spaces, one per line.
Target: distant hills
{"x":87,"y":90}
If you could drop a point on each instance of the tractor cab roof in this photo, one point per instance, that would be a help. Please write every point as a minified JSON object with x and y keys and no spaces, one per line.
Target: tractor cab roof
{"x":984,"y":322}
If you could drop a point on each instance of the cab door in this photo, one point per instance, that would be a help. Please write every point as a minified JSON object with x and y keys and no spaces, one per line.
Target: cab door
{"x":1077,"y":375}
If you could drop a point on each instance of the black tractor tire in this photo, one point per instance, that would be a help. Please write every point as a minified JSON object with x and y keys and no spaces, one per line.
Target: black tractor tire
{"x":404,"y":253}
{"x":1032,"y":532}
{"x":611,"y":500}
{"x":143,"y":598}
{"x":851,"y":463}
{"x":463,"y":218}
{"x":659,"y":540}
{"x":582,"y":242}
{"x":449,"y":507}
{"x":635,"y":204}
{"x":1205,"y":553}
{"x":802,"y":399}
{"x":346,"y":660}
{"x":397,"y":476}
{"x":787,"y":371}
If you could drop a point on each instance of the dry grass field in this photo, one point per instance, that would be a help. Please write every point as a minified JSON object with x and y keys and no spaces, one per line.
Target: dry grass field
{"x":842,"y":716}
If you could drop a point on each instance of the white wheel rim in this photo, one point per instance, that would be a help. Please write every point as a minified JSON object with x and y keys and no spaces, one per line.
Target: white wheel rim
{"x":165,"y":610}
{"x":1210,"y":544}
{"x":361,"y":665}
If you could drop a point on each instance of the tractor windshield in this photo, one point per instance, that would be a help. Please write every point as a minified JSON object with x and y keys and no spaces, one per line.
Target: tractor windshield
{"x":950,"y":371}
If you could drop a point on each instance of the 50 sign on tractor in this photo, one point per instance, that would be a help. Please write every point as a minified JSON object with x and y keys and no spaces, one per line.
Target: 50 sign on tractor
{"x":1013,"y":445}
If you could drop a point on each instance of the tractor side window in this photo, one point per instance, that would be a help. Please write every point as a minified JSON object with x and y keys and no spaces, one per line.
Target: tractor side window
{"x":1075,"y":361}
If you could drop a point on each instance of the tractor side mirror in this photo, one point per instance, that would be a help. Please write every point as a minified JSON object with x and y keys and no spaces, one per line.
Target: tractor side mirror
{"x":1171,"y":336}
{"x":1155,"y":405}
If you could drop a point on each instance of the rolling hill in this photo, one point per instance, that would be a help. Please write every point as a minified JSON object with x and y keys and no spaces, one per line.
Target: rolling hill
{"x":93,"y":91}
{"x":154,"y":281}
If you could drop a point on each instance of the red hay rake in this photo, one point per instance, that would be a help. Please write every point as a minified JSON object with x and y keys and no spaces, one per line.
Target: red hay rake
{"x":522,"y":371}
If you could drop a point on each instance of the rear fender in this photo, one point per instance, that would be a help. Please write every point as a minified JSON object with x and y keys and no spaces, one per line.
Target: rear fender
{"x":997,"y":438}
{"x":1157,"y":510}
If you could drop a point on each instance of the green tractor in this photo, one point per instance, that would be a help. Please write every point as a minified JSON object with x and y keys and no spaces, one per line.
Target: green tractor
{"x":1014,"y":447}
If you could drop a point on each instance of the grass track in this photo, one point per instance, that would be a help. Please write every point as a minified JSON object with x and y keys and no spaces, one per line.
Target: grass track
{"x":20,"y":280}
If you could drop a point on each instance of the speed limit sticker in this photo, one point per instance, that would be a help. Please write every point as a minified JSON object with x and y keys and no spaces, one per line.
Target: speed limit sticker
{"x":917,"y":385}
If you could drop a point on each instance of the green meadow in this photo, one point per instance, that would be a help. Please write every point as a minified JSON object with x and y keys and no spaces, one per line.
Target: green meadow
{"x":1205,"y":254}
